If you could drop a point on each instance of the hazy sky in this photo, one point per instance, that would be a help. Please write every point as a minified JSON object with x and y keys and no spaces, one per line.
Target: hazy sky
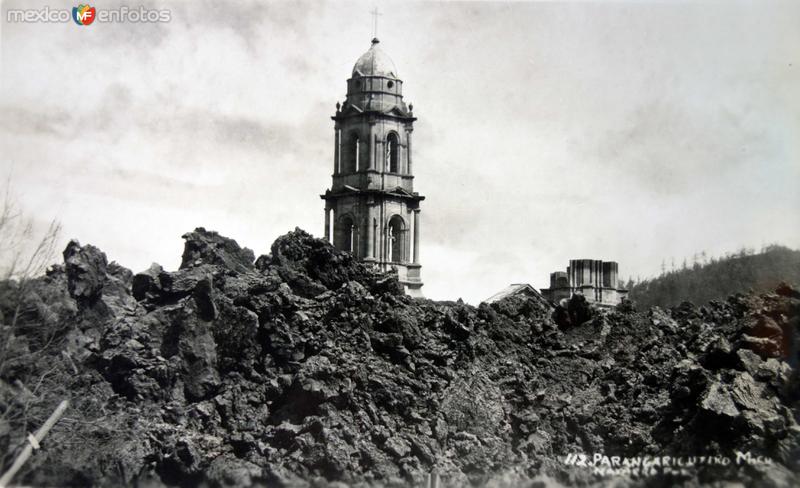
{"x":634,"y":132}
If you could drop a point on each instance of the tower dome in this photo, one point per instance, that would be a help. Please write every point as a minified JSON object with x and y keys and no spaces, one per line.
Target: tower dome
{"x":375,"y":62}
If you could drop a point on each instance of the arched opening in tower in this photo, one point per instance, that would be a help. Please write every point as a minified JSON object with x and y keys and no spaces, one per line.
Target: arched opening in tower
{"x":346,"y":234}
{"x":395,"y":239}
{"x":392,"y":156}
{"x":352,"y":163}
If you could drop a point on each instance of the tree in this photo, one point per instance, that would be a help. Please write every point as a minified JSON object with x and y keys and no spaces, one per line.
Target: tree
{"x":741,"y":272}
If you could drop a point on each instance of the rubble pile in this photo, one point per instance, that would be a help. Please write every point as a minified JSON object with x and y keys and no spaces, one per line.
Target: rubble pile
{"x":305,"y":367}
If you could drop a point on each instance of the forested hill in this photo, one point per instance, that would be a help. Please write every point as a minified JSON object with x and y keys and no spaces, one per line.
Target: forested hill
{"x":720,"y":278}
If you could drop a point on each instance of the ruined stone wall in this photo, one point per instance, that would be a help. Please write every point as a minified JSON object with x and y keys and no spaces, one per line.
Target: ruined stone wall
{"x":593,"y":278}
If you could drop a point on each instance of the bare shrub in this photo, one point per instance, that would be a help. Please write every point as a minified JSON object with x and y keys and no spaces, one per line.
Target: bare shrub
{"x":29,"y":383}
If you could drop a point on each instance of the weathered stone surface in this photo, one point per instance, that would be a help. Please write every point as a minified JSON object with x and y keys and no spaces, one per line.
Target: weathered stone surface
{"x":397,"y":447}
{"x":205,"y":247}
{"x":86,"y":269}
{"x":577,"y":311}
{"x":146,"y":282}
{"x":717,"y":401}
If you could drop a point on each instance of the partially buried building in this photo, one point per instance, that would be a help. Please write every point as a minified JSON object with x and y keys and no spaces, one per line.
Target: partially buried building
{"x":595,"y":279}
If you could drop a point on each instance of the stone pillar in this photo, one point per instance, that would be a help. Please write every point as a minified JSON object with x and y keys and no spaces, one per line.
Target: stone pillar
{"x":573,"y":278}
{"x":408,"y":152}
{"x":370,"y":237}
{"x":387,"y":244}
{"x":337,"y":152}
{"x":372,"y":147}
{"x":358,"y":154}
{"x":380,"y":156}
{"x":327,"y":224}
{"x":416,"y":236}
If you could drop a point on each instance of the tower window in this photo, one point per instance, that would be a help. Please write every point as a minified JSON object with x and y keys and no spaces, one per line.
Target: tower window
{"x":392,"y":156}
{"x":395,"y":238}
{"x":390,"y":84}
{"x":346,"y":234}
{"x":352,"y":160}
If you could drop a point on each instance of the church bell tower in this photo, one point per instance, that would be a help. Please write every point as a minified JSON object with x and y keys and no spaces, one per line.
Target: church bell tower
{"x":371,"y":209}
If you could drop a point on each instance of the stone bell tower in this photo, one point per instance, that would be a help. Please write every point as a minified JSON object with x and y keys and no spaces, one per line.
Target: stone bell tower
{"x":371,"y":209}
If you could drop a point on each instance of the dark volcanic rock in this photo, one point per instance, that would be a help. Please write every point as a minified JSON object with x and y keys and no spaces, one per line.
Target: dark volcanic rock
{"x":311,"y":266}
{"x":147,"y":283}
{"x":86,"y":269}
{"x":208,"y":247}
{"x":309,"y":368}
{"x":580,"y":310}
{"x":577,"y":311}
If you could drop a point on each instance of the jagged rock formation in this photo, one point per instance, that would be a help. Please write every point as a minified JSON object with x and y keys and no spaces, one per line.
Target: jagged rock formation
{"x":304,"y":367}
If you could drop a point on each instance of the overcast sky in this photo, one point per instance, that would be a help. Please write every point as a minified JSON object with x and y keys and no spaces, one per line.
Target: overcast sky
{"x":633,"y":132}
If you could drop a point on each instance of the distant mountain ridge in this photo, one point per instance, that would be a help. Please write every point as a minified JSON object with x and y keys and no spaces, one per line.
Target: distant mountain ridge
{"x":718,"y":279}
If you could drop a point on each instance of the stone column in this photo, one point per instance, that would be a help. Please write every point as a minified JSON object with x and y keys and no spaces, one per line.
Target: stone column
{"x":372,"y":146}
{"x":408,"y":152}
{"x":416,"y":236}
{"x":370,"y":237}
{"x":358,"y":154}
{"x":327,"y":224}
{"x":387,"y":244}
{"x":337,"y":152}
{"x":570,"y":278}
